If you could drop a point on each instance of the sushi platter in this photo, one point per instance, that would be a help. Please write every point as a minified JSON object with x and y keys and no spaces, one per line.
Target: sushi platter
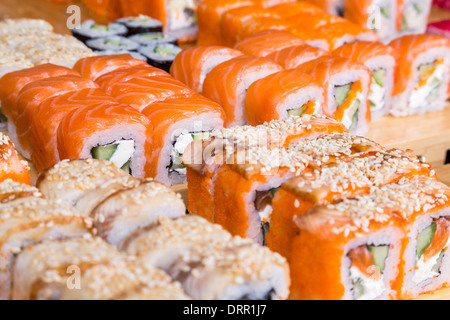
{"x":225,"y":149}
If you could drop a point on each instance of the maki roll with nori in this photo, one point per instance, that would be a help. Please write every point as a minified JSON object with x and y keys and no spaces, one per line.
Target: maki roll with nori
{"x":114,"y":43}
{"x":141,"y":24}
{"x":161,"y":55}
{"x":134,"y":54}
{"x":151,"y":38}
{"x":90,"y":30}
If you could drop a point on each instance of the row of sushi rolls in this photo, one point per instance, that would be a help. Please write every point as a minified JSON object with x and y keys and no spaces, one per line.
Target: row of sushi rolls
{"x":264,"y":120}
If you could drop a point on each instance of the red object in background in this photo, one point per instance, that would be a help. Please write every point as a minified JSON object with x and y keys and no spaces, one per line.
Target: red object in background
{"x":441,"y":28}
{"x":445,"y":4}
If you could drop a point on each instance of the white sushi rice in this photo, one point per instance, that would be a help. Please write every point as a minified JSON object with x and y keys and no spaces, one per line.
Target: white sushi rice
{"x":298,"y":99}
{"x":419,"y":95}
{"x":413,"y":20}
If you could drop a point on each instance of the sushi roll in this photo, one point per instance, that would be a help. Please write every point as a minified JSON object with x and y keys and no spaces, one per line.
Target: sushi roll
{"x":191,"y":66}
{"x":125,"y":279}
{"x":94,"y":67}
{"x":32,"y":221}
{"x":381,"y":60}
{"x":114,"y":43}
{"x":30,"y":280}
{"x":346,"y":84}
{"x":228,"y":82}
{"x":263,"y":43}
{"x":207,"y":260}
{"x":377,"y":15}
{"x":127,"y":210}
{"x":141,"y":24}
{"x":49,"y":114}
{"x":89,"y":30}
{"x":260,"y":24}
{"x":161,"y":55}
{"x":209,"y":16}
{"x":151,"y":38}
{"x":108,"y":80}
{"x":134,"y":54}
{"x":283,"y":94}
{"x":203,"y":161}
{"x":12,"y":167}
{"x":140,"y":93}
{"x":61,"y":181}
{"x":178,"y":123}
{"x":12,"y":192}
{"x":117,"y":133}
{"x":422,"y":76}
{"x":335,"y":7}
{"x":329,"y":184}
{"x":412,"y":16}
{"x":31,"y":96}
{"x":245,"y":190}
{"x":292,"y":57}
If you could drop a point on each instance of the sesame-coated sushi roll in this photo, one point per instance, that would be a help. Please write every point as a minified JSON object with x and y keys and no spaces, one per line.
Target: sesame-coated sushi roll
{"x":346,"y":84}
{"x":203,"y":161}
{"x":422,"y":75}
{"x":191,"y":66}
{"x":62,"y":181}
{"x":61,"y":257}
{"x":12,"y":83}
{"x":377,"y":15}
{"x":123,"y":279}
{"x":178,"y":122}
{"x":264,"y":43}
{"x":244,"y":191}
{"x":227,"y":84}
{"x":31,"y":96}
{"x":332,"y":183}
{"x":94,"y":67}
{"x":48,"y":115}
{"x":412,"y":16}
{"x":108,"y":80}
{"x":292,"y":57}
{"x":11,"y":192}
{"x":126,"y":210}
{"x":381,"y":60}
{"x":237,"y":268}
{"x":117,"y":133}
{"x":11,"y":165}
{"x":30,"y":222}
{"x":141,"y":92}
{"x":283,"y":94}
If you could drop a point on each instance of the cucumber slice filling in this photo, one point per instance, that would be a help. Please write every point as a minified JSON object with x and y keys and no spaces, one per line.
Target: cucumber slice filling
{"x":377,"y":90}
{"x":424,"y":239}
{"x":341,"y":93}
{"x":379,"y":254}
{"x":119,"y":153}
{"x":179,"y":146}
{"x":379,"y":76}
{"x":358,"y":288}
{"x":298,"y":112}
{"x":386,"y":12}
{"x":353,"y":113}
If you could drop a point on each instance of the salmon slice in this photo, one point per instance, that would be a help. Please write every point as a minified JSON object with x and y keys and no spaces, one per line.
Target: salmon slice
{"x":362,"y":259}
{"x":440,"y":239}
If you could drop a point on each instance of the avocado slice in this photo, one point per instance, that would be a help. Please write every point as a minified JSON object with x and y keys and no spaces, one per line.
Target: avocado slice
{"x":379,"y":254}
{"x":358,"y":288}
{"x":126,"y":167}
{"x":341,"y":93}
{"x":426,"y":67}
{"x":424,"y":239}
{"x":164,"y":51}
{"x":379,"y":76}
{"x":104,"y":152}
{"x":297,"y":112}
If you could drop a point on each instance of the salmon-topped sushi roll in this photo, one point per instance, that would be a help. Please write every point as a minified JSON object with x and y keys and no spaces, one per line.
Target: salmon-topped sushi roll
{"x":94,"y":67}
{"x":293,"y":8}
{"x":283,"y":94}
{"x":139,"y":93}
{"x":381,"y":60}
{"x":422,"y":76}
{"x":12,"y":166}
{"x":331,"y":183}
{"x":292,"y":57}
{"x":117,"y":133}
{"x":191,"y":66}
{"x":108,"y":80}
{"x":177,"y":123}
{"x":206,"y":260}
{"x":12,"y":83}
{"x":412,"y":16}
{"x":209,"y":15}
{"x":260,"y":24}
{"x":227,"y":84}
{"x":264,"y":43}
{"x":49,"y":114}
{"x":203,"y":160}
{"x":377,"y":15}
{"x":246,"y":186}
{"x":346,"y":84}
{"x":31,"y":96}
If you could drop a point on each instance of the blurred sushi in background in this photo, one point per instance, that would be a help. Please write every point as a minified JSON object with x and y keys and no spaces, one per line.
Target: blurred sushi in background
{"x":161,"y":55}
{"x":141,"y":24}
{"x":90,"y":30}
